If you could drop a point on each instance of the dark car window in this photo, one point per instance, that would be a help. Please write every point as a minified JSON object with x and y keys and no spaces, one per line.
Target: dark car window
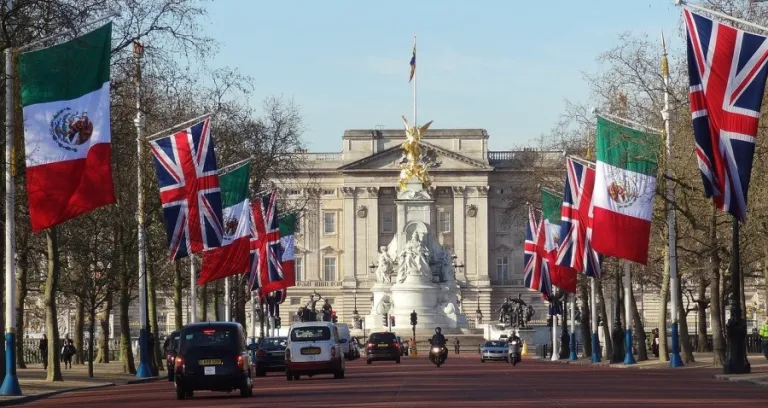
{"x":495,"y":344}
{"x":274,"y":343}
{"x":318,"y":333}
{"x":382,"y":338}
{"x":218,"y":337}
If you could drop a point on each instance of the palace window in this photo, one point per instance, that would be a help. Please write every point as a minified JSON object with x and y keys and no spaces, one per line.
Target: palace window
{"x":329,"y":223}
{"x":445,"y":221}
{"x":387,"y":222}
{"x":502,"y":268}
{"x":293,"y":192}
{"x":329,"y":192}
{"x":298,"y":267}
{"x":329,"y":269}
{"x":297,"y":227}
{"x":295,"y":301}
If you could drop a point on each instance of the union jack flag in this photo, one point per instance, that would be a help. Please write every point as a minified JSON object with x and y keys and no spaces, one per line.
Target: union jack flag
{"x":266,"y":272}
{"x":536,"y":272}
{"x":189,"y":189}
{"x":727,"y":70}
{"x":576,"y":220}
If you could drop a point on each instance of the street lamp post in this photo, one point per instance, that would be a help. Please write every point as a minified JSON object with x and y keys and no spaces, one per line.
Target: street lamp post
{"x":355,"y":314}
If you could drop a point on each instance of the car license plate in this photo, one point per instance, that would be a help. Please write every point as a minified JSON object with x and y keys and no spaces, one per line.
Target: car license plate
{"x":383,"y":345}
{"x":310,"y":351}
{"x":210,"y":370}
{"x":210,"y":362}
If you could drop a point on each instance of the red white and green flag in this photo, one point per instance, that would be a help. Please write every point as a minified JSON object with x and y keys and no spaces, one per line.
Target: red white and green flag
{"x":561,"y":276}
{"x":625,"y":185}
{"x":232,"y":257}
{"x":67,"y":135}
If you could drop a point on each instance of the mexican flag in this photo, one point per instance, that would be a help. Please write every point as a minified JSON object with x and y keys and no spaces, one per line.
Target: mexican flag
{"x":625,"y":184}
{"x":551,"y":207}
{"x":232,"y":257}
{"x":65,"y":104}
{"x":288,"y":246}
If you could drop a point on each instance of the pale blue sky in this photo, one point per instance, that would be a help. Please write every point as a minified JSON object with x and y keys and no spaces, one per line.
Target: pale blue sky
{"x":505,"y":66}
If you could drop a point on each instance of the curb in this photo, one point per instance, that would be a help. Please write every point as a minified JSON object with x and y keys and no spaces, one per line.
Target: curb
{"x":30,"y":398}
{"x":734,"y":378}
{"x":144,"y":380}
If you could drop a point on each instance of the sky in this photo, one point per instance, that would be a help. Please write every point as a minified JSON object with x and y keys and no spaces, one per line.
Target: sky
{"x":504,"y":66}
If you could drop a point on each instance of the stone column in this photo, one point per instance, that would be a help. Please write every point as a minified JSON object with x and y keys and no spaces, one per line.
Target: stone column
{"x":348,"y":241}
{"x":459,"y":230}
{"x":372,"y":231}
{"x":313,"y":231}
{"x":481,"y":239}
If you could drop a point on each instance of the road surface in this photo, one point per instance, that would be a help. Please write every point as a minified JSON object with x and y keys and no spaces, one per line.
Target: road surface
{"x":463,"y":382}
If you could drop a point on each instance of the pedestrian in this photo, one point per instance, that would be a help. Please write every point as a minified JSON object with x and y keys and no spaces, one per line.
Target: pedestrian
{"x":764,"y":336}
{"x":655,"y":344}
{"x":43,"y":347}
{"x":456,"y":345}
{"x":67,"y":352}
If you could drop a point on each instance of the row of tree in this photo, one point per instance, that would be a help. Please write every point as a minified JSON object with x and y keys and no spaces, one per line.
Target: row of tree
{"x":92,"y":260}
{"x":630,"y":84}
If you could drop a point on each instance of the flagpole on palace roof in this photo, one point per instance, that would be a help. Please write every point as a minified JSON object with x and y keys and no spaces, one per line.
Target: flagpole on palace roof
{"x":675,"y":360}
{"x":11,"y":381}
{"x":415,"y":75}
{"x":143,"y":371}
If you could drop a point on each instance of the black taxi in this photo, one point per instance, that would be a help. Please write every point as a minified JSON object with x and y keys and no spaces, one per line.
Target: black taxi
{"x":212,"y":356}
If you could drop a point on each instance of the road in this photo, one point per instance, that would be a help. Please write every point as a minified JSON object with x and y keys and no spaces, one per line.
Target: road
{"x":463,"y":382}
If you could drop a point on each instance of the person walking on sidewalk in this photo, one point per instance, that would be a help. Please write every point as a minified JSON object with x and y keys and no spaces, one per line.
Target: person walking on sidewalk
{"x":43,"y":347}
{"x":456,"y":345}
{"x":764,"y":337}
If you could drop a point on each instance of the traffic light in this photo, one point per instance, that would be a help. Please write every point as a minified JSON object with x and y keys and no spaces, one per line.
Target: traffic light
{"x":333,"y":317}
{"x":414,"y":318}
{"x":384,"y":320}
{"x":277,"y":322}
{"x":392,"y":318}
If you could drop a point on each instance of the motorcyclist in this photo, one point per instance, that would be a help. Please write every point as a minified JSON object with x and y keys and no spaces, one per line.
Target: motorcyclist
{"x":438,"y":339}
{"x":514,"y":337}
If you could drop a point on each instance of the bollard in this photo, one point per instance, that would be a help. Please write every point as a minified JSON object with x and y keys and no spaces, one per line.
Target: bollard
{"x":525,"y":349}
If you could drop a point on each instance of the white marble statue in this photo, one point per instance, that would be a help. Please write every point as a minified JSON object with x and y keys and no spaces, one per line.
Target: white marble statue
{"x":384,"y":305}
{"x":414,"y":260}
{"x":386,"y":264}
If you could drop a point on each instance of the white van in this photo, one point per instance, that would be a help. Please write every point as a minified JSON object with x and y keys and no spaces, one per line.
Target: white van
{"x":314,"y":348}
{"x":347,"y":337}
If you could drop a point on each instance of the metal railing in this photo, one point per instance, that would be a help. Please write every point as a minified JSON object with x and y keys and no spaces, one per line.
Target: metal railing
{"x":318,"y":284}
{"x":323,"y":156}
{"x":32,"y":353}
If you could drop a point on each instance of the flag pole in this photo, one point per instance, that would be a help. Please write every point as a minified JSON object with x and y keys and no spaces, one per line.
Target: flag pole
{"x":143,"y":371}
{"x":573,"y":356}
{"x":593,"y":309}
{"x":227,"y":305}
{"x":675,"y":360}
{"x":415,"y":76}
{"x":720,"y":14}
{"x":629,"y":358}
{"x":583,"y":161}
{"x":10,"y":384}
{"x":616,"y":118}
{"x":554,"y":314}
{"x":181,"y":125}
{"x":192,"y":290}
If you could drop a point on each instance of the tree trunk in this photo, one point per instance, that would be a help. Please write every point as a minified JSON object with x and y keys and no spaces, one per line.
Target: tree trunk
{"x":217,"y":301}
{"x":608,"y":345}
{"x":765,"y":283}
{"x":240,"y":296}
{"x":701,"y":316}
{"x":682,"y":327}
{"x":718,"y":341}
{"x":177,"y":296}
{"x":154,"y":328}
{"x":21,"y":293}
{"x":203,"y":303}
{"x":51,"y":316}
{"x":586,"y":328}
{"x":638,"y":329}
{"x":91,"y":333}
{"x":663,"y":305}
{"x":79,"y":333}
{"x":103,"y":356}
{"x":126,"y":351}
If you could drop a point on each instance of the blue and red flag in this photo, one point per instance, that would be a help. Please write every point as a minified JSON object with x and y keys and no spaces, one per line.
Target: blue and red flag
{"x":189,"y":189}
{"x":727,"y":71}
{"x":576,"y":220}
{"x":266,"y":271}
{"x":536,"y":273}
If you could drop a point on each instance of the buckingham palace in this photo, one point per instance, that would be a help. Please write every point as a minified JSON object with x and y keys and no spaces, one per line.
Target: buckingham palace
{"x":348,"y":211}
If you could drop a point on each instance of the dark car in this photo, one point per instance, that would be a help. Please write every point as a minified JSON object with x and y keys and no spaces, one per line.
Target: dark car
{"x":382,"y":346}
{"x":212,"y":356}
{"x":270,"y":355}
{"x":403,"y":346}
{"x":170,"y":348}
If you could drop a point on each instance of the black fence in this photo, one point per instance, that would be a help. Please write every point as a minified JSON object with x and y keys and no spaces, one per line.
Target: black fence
{"x":32,"y":351}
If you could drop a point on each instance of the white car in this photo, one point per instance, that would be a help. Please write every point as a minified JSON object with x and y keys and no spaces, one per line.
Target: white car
{"x":314,"y":348}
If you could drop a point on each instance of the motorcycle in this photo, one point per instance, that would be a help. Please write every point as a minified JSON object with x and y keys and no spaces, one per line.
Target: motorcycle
{"x":514,"y":352}
{"x":438,"y":355}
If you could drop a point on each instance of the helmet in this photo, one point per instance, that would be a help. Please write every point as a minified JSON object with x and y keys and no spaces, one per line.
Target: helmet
{"x":438,"y":330}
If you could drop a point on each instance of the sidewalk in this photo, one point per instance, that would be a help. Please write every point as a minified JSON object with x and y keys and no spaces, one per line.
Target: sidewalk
{"x":758,"y":363}
{"x":34,"y":386}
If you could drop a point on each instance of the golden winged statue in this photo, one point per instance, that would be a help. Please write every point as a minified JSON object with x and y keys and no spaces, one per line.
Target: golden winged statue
{"x":412,"y":149}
